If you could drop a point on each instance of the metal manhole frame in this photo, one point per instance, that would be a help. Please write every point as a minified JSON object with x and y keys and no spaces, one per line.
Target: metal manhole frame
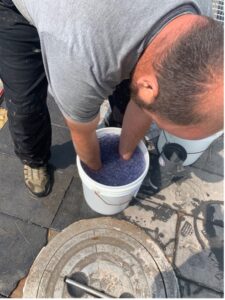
{"x":166,"y":271}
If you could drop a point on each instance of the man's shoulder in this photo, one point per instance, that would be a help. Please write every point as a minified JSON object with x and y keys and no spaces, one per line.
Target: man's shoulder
{"x":102,"y":9}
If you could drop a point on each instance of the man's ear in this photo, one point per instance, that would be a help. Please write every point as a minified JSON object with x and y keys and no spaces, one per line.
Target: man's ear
{"x":148,"y":88}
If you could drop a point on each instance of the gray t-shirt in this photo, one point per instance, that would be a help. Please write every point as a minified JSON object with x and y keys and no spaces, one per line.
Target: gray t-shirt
{"x":90,"y":46}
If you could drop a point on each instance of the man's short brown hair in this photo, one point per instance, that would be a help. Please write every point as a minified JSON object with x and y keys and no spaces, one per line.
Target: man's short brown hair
{"x":187,"y":70}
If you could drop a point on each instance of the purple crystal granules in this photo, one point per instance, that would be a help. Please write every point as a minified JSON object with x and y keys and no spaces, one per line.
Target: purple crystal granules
{"x":116,"y":171}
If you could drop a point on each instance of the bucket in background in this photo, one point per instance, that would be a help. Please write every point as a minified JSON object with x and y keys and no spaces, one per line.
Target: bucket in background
{"x":110,"y":200}
{"x":194,"y":148}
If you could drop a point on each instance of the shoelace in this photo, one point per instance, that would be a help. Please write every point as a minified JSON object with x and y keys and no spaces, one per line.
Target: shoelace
{"x":35,"y":173}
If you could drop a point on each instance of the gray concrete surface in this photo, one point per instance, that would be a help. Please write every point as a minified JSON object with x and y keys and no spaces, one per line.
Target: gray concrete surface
{"x":185,"y":219}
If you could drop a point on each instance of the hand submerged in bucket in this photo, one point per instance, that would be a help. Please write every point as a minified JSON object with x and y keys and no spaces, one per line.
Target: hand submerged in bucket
{"x":111,"y":189}
{"x":115,"y":170}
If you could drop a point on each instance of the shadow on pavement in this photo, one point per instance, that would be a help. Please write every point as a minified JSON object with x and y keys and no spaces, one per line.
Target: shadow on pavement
{"x":63,"y":156}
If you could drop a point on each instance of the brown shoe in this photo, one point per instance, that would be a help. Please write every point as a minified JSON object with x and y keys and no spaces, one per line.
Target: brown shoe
{"x":37,"y":180}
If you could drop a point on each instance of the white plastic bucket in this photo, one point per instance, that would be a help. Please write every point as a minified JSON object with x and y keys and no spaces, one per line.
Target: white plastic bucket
{"x":110,"y":200}
{"x":194,"y":148}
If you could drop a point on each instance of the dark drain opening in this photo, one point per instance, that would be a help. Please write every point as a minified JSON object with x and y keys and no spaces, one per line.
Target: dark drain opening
{"x":76,"y":292}
{"x":126,"y":295}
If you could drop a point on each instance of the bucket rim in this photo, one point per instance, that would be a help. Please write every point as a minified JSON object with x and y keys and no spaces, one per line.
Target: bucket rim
{"x":125,"y":187}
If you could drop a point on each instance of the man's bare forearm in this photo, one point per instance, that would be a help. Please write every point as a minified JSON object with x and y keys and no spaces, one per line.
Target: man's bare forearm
{"x":135,"y":125}
{"x":86,"y":142}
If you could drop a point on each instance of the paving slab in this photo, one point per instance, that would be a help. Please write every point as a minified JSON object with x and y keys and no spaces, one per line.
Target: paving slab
{"x":199,"y":252}
{"x":20,"y":244}
{"x":157,"y":220}
{"x":73,"y":207}
{"x":192,"y":194}
{"x":16,"y":199}
{"x":191,"y":290}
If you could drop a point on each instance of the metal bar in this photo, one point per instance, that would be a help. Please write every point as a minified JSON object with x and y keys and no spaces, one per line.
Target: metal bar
{"x":218,"y":10}
{"x":87,"y":289}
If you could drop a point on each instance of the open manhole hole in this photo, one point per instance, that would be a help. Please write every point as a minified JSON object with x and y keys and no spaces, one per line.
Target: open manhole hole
{"x":111,"y":256}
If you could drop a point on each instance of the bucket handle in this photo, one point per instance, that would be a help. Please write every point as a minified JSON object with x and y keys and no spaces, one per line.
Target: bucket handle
{"x":97,"y":194}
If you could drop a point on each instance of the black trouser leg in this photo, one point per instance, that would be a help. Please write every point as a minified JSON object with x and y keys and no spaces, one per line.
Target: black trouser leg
{"x":118,"y":103}
{"x":25,"y":85}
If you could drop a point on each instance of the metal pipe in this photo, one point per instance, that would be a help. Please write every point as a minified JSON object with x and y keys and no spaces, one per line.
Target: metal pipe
{"x":87,"y":289}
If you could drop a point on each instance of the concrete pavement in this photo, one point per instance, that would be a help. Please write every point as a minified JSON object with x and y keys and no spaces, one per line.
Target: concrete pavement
{"x":185,"y":219}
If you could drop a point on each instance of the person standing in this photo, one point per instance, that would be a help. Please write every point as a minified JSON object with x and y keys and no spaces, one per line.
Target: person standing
{"x":155,"y":62}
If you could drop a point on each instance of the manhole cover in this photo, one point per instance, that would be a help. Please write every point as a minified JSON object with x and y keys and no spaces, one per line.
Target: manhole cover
{"x":112,"y":256}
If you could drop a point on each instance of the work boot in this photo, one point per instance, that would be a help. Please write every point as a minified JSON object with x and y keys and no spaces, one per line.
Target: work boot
{"x":38,"y":180}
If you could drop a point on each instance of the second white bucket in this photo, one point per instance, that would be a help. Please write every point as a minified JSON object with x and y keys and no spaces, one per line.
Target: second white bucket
{"x":110,"y":200}
{"x":194,"y":148}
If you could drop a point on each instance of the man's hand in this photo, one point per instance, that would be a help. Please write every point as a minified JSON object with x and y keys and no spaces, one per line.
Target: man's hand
{"x":135,"y":124}
{"x":86,"y":142}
